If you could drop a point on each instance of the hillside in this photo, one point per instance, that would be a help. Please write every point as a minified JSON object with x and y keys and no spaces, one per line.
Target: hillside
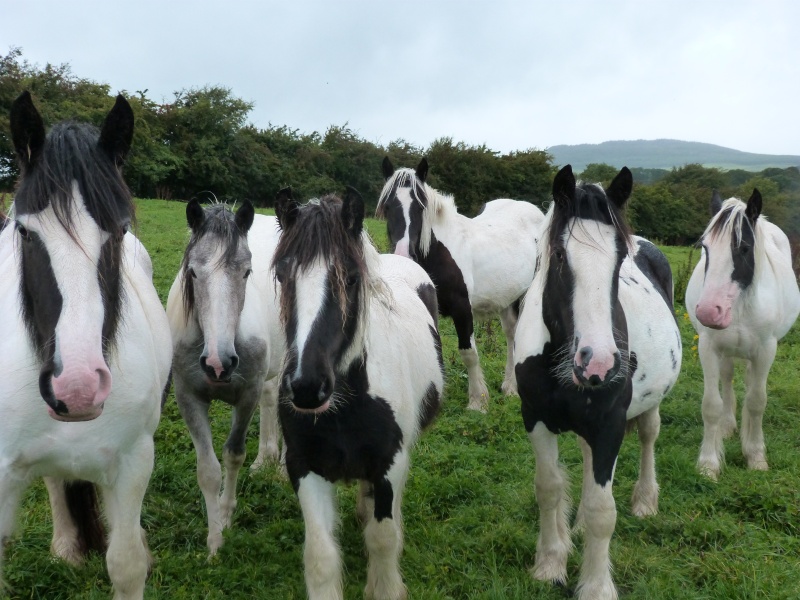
{"x":665,"y":154}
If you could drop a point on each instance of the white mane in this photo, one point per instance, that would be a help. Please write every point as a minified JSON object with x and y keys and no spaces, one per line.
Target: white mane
{"x":734,"y":210}
{"x":439,"y":206}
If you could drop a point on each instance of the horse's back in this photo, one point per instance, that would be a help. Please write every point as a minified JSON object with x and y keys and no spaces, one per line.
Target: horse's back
{"x":415,"y":277}
{"x":645,"y":293}
{"x":503,"y":246}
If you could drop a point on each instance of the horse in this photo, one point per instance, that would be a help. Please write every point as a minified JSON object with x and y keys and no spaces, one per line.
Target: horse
{"x":481,"y":267}
{"x":363,"y":375}
{"x":83,"y":332}
{"x":597,"y":349}
{"x":227,"y":344}
{"x":742,"y":298}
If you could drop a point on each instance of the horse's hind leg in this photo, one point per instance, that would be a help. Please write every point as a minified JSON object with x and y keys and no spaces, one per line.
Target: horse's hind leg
{"x":321,"y":558}
{"x":383,"y":534}
{"x":554,"y":543}
{"x":233,"y":454}
{"x":508,"y":319}
{"x":728,"y":424}
{"x":755,"y":402}
{"x":645,"y":493}
{"x":711,"y":449}
{"x":269,"y":431}
{"x":127,"y":558}
{"x":11,"y":490}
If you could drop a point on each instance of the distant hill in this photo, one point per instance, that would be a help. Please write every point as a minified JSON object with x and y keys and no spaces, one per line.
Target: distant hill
{"x":665,"y":154}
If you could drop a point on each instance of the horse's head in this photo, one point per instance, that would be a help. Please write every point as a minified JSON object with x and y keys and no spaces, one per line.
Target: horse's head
{"x":587,"y":242}
{"x":402,"y":202}
{"x":730,"y":248}
{"x":322,"y":269}
{"x":72,"y":210}
{"x":216,"y":267}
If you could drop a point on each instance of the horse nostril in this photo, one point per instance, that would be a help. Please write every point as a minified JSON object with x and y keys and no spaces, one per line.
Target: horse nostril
{"x":585,"y":355}
{"x":234,"y":363}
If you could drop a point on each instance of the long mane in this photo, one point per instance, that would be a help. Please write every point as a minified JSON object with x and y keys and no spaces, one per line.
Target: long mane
{"x":435,"y":204}
{"x":71,"y":154}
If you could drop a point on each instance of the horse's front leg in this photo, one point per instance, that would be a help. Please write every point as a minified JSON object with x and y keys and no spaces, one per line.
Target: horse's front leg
{"x":711,"y":449}
{"x":554,"y":543}
{"x":508,"y":319}
{"x":321,"y":557}
{"x":383,"y":534}
{"x":728,"y":423}
{"x":755,"y":403}
{"x":128,"y":558}
{"x":234,"y":451}
{"x":11,"y":489}
{"x":268,"y":431}
{"x":600,"y":519}
{"x":478,"y":392}
{"x":209,"y":473}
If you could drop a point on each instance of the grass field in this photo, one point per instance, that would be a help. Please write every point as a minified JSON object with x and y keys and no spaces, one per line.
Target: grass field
{"x":470,"y":516}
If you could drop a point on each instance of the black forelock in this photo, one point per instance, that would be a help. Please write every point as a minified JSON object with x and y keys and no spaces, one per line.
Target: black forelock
{"x":590,"y":203}
{"x":71,"y":153}
{"x":219,"y":222}
{"x":733,"y":218}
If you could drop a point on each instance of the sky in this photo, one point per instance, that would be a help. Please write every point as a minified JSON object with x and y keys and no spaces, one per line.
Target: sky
{"x":512,"y":75}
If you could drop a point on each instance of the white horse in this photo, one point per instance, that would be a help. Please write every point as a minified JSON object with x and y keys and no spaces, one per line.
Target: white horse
{"x":84,"y":333}
{"x":597,"y":348}
{"x":228,"y":344}
{"x":363,"y":376}
{"x":742,"y":298}
{"x":481,"y":267}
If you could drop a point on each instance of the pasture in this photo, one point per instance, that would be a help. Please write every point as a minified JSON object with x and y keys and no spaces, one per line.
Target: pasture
{"x":469,"y":512}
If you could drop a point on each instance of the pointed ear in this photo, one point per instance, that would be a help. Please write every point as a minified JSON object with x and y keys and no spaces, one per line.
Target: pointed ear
{"x":286,"y":208}
{"x":387,"y":167}
{"x":244,"y":216}
{"x":564,"y":185}
{"x":753,"y":206}
{"x":116,"y":134}
{"x":353,"y":212}
{"x":621,"y":187}
{"x":195,"y":215}
{"x":27,"y":130}
{"x":716,"y":202}
{"x":422,"y":169}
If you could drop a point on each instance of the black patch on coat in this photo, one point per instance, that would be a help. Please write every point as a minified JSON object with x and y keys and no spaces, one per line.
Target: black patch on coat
{"x":652,"y":262}
{"x":357,"y":440}
{"x":427,"y":293}
{"x":744,"y":256}
{"x":431,"y":404}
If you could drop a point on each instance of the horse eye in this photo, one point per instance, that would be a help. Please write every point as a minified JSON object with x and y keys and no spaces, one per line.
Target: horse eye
{"x":23,"y":232}
{"x":247,"y":273}
{"x":351,"y":280}
{"x":559,"y":254}
{"x":745,"y":249}
{"x":192,"y":273}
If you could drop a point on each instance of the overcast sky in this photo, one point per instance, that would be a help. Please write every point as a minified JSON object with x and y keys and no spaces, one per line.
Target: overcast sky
{"x":508,"y":74}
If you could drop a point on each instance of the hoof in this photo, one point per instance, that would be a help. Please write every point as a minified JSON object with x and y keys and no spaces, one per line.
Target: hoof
{"x":509,"y":388}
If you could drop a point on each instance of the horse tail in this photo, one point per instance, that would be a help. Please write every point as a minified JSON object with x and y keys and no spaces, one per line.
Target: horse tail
{"x":84,"y":508}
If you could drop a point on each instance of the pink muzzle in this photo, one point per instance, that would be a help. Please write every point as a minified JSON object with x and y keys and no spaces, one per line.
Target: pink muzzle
{"x":82,"y":390}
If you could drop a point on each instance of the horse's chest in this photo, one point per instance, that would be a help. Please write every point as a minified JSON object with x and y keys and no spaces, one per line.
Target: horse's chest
{"x":358,"y":439}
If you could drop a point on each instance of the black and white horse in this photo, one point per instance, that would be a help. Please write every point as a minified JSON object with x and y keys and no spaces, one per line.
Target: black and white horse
{"x":84,"y":333}
{"x":228,"y":344}
{"x":742,"y":298}
{"x":481,"y":267}
{"x":597,"y":346}
{"x":362,"y":377}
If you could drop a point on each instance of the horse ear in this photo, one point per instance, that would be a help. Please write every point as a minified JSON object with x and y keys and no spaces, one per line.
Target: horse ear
{"x":244,"y":216}
{"x":564,"y":185}
{"x":753,"y":206}
{"x":716,"y":202}
{"x":116,"y":134}
{"x":286,"y":208}
{"x":194,"y":214}
{"x":621,"y":187}
{"x":27,"y":130}
{"x":387,"y":167}
{"x":422,"y":169}
{"x":353,"y":212}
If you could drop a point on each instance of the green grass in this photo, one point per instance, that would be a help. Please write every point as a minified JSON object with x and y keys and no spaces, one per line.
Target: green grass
{"x":470,"y":516}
